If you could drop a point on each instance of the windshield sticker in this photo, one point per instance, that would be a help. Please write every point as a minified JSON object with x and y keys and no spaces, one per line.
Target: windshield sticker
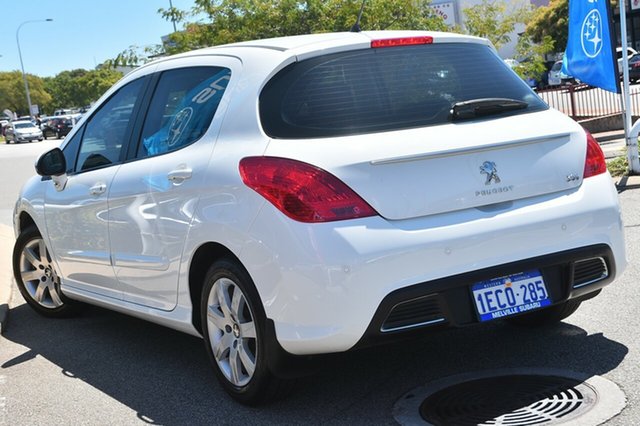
{"x":208,"y":92}
{"x":178,"y":125}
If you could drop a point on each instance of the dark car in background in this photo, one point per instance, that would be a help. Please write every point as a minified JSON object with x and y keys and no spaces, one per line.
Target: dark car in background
{"x":58,"y":127}
{"x":634,"y":68}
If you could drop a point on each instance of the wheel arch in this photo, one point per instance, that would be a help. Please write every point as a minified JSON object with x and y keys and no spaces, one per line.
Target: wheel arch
{"x":25,"y":221}
{"x":202,"y":259}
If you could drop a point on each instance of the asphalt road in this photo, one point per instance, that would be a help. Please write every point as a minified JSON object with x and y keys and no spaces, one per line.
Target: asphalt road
{"x":104,"y":368}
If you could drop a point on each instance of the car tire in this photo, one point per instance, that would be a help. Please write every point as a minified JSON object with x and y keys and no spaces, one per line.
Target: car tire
{"x":234,"y":330}
{"x":37,"y":277}
{"x":547,"y":316}
{"x":41,"y":139}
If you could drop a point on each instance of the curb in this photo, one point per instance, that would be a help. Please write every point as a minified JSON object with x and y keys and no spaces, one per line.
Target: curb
{"x":6,"y":276}
{"x":608,"y":138}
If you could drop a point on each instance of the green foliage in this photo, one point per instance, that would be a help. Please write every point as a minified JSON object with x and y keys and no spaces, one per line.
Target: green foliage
{"x":79,"y":87}
{"x":619,"y":166}
{"x":533,"y":65}
{"x":75,"y":88}
{"x":134,"y":56}
{"x":13,"y":95}
{"x":240,"y":20}
{"x":494,"y":20}
{"x":64,"y":89}
{"x":550,"y":21}
{"x":94,"y":83}
{"x":553,"y":21}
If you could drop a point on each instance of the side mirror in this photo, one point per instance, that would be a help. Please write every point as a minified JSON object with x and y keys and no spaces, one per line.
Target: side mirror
{"x":51,"y":163}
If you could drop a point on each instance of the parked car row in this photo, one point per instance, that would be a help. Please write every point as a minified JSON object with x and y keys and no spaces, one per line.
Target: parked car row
{"x":28,"y":129}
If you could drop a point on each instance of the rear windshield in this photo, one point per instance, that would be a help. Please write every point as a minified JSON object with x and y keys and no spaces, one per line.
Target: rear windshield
{"x":383,"y":89}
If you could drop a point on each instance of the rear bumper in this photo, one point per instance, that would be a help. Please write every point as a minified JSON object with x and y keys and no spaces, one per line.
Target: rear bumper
{"x":574,"y":274}
{"x":426,"y":307}
{"x":327,"y":286}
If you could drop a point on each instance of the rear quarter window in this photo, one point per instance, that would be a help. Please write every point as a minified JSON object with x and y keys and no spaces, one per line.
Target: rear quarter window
{"x":183,"y":105}
{"x":384,"y":89}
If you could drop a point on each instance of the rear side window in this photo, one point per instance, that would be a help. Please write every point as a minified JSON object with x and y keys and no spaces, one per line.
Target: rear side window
{"x":182,"y":107}
{"x":385,"y":89}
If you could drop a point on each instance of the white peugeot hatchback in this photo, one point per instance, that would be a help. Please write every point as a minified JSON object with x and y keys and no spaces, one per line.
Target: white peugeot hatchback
{"x":315,"y":194}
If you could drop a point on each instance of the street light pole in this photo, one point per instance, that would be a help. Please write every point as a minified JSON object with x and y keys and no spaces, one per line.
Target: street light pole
{"x":24,"y":76}
{"x":173,"y":19}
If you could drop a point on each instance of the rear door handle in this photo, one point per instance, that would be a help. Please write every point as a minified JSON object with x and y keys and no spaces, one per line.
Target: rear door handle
{"x":98,"y":189}
{"x":180,"y":175}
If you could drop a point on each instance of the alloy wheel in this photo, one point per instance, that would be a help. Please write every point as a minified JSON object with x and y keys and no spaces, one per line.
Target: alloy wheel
{"x":232,"y":332}
{"x":39,"y":274}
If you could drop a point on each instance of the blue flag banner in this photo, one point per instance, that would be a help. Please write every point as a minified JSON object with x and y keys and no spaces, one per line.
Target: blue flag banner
{"x":590,"y":55}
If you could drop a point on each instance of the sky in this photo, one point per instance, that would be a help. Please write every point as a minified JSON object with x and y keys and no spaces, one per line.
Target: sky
{"x":83,"y":33}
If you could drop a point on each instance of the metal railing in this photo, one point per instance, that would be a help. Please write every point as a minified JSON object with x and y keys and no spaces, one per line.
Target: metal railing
{"x":581,"y":101}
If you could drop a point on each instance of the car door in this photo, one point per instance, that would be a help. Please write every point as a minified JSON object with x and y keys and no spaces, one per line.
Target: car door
{"x":75,"y":208}
{"x":153,"y":197}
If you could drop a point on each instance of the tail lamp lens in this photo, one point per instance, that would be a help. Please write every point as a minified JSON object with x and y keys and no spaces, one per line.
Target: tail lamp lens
{"x":595,"y":162}
{"x":301,"y":191}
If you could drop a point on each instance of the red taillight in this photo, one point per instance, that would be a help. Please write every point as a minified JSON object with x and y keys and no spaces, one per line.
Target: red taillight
{"x":595,"y":162}
{"x":403,"y":41}
{"x":301,"y":191}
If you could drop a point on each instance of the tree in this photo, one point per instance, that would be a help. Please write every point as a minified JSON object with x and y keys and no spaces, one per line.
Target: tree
{"x":95,"y":83}
{"x":492,"y":19}
{"x":533,"y":65}
{"x":134,"y":56}
{"x":64,"y":89}
{"x":553,"y":21}
{"x":13,"y":95}
{"x":550,"y":21}
{"x":240,"y":20}
{"x":79,"y":87}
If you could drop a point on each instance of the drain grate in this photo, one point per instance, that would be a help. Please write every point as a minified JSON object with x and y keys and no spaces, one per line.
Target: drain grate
{"x":509,"y":400}
{"x":513,"y":397}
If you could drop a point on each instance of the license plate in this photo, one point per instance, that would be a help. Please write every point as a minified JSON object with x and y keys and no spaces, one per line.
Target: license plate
{"x":510,"y":295}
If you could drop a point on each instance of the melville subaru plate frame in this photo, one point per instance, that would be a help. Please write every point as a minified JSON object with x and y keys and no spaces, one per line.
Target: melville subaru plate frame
{"x":510,"y":295}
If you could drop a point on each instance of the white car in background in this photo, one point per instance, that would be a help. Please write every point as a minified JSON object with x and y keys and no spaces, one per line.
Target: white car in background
{"x":315,"y":194}
{"x":556,"y":77}
{"x":22,"y":131}
{"x":619,"y":56}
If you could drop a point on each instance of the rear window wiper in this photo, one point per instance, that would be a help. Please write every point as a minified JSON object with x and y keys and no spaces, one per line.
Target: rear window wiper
{"x":487,"y":106}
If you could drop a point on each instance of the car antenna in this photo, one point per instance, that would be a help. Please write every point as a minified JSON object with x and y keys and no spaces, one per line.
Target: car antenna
{"x":356,"y":27}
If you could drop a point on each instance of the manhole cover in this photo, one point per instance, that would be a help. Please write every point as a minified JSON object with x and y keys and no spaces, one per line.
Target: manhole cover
{"x":512,"y":397}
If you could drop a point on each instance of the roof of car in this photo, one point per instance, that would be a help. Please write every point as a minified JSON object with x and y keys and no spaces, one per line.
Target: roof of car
{"x":307,"y":45}
{"x":303,"y":42}
{"x":22,"y":122}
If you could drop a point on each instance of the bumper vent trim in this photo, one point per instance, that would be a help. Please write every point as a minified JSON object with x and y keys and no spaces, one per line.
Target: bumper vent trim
{"x":419,"y":312}
{"x":589,"y":271}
